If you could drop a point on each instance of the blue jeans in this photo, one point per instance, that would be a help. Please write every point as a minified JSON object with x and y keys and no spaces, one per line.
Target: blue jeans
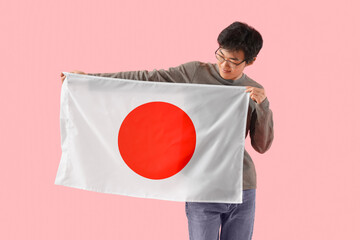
{"x":236,"y":220}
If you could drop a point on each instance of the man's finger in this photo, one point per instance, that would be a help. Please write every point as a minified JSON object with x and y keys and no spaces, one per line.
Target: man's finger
{"x":249,"y":89}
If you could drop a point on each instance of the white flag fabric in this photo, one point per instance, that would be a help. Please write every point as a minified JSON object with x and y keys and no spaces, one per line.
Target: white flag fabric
{"x":159,"y":140}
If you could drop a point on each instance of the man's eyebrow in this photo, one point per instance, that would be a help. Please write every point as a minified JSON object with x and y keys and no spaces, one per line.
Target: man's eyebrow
{"x":236,"y":59}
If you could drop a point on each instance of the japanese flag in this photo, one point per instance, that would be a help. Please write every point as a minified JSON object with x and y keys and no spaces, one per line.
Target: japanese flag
{"x":169,"y":141}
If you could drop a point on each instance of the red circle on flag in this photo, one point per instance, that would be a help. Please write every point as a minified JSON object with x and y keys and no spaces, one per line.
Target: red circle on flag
{"x":157,"y":140}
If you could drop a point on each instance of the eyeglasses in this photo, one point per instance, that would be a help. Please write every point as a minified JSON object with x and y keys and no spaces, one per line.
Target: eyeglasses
{"x":221,"y":59}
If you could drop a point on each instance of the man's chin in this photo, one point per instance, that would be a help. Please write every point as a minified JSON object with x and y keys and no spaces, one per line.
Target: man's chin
{"x":226,"y":76}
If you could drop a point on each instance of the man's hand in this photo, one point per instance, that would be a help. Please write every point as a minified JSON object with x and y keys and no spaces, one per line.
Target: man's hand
{"x":256,"y":94}
{"x":75,"y":71}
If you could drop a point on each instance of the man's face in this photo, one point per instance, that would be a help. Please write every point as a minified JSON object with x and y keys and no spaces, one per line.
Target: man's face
{"x":225,"y":69}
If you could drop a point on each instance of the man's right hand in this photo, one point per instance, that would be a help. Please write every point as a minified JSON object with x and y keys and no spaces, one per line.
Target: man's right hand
{"x":75,"y":71}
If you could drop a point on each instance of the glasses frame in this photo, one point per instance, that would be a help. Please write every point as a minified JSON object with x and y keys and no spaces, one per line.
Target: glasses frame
{"x":236,"y":64}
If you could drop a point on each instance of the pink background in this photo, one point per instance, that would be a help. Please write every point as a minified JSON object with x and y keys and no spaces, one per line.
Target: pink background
{"x":308,"y":182}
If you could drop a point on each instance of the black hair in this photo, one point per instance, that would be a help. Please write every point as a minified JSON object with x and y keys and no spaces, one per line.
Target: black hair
{"x":240,"y":36}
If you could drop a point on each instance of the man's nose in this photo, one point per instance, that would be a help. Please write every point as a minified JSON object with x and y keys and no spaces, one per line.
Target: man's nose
{"x":226,"y":64}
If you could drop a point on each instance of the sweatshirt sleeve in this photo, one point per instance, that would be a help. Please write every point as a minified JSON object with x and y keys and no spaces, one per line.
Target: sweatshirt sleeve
{"x":183,"y":73}
{"x":261,"y":127}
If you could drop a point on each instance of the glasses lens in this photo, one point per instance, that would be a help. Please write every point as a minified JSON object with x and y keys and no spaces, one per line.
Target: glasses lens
{"x":222,"y":59}
{"x":219,"y":58}
{"x":231,"y":64}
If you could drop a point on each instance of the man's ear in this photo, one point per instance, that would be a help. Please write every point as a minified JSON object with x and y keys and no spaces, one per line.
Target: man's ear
{"x":250,"y":63}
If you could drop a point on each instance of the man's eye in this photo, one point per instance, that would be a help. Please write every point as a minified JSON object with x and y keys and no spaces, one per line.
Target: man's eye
{"x":236,"y":62}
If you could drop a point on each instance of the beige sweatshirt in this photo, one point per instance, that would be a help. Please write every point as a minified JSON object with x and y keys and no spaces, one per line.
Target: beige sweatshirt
{"x":259,"y":118}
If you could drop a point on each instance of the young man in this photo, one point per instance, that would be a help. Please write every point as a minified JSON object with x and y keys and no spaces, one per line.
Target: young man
{"x":239,"y":45}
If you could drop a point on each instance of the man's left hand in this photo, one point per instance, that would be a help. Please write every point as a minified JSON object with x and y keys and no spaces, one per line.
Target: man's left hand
{"x":256,"y":94}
